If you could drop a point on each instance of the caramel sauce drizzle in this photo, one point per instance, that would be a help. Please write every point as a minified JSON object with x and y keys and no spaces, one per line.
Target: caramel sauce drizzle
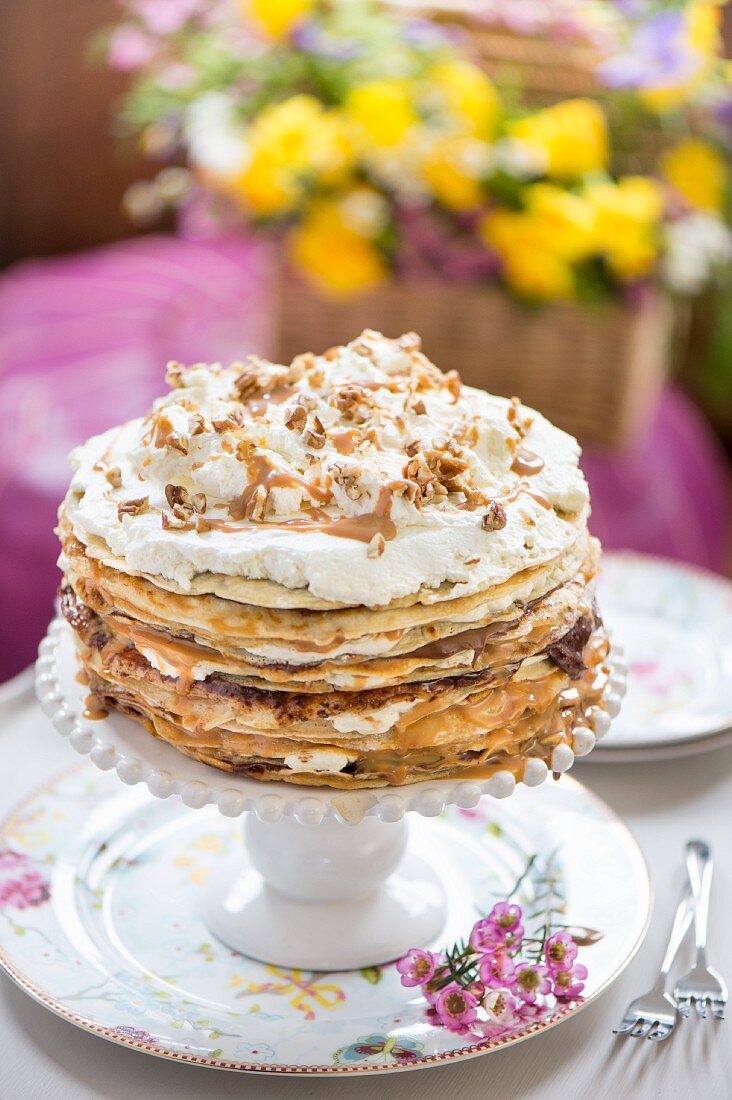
{"x":258,"y":405}
{"x":264,"y":473}
{"x":161,"y":431}
{"x":344,"y":441}
{"x":94,"y":707}
{"x":178,"y":653}
{"x":527,"y":463}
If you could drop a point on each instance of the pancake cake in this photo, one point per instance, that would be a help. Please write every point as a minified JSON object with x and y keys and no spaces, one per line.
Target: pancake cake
{"x":352,"y":571}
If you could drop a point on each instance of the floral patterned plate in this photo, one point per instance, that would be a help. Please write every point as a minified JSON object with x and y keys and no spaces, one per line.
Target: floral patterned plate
{"x":100,"y":893}
{"x":674,"y":622}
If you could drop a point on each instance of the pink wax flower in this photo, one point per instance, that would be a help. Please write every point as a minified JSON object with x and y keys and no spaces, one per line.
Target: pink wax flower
{"x":500,"y":930}
{"x":497,"y":971}
{"x":532,"y":979}
{"x":417,"y":967}
{"x":501,"y":1007}
{"x":129,"y":49}
{"x":456,"y":1008}
{"x":560,"y":951}
{"x":9,"y":860}
{"x":568,"y":984}
{"x":26,"y":892}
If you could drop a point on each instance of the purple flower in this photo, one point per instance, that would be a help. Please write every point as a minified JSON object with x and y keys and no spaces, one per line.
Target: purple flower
{"x":657,"y":55}
{"x":26,"y":892}
{"x":560,"y":951}
{"x":456,"y":1008}
{"x":497,"y":971}
{"x":568,"y":984}
{"x":532,"y":979}
{"x":417,"y":967}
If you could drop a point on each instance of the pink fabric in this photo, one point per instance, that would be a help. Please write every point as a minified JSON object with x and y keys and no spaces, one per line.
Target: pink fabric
{"x":83,"y":343}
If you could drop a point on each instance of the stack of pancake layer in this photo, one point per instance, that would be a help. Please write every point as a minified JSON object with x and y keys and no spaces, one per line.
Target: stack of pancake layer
{"x":351,"y":571}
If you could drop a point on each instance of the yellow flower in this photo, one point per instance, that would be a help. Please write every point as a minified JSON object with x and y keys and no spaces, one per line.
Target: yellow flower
{"x":571,"y":136}
{"x":702,"y":20}
{"x":564,"y":223}
{"x":469,"y":94}
{"x":382,"y":110}
{"x":334,"y":257}
{"x":698,"y":172}
{"x":531,"y":270}
{"x":277,"y":17}
{"x":289,"y":144}
{"x":628,"y":213}
{"x":452,"y":171}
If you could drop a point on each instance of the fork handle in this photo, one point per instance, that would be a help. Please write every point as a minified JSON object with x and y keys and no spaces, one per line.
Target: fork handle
{"x":699,"y":867}
{"x":682,"y":920}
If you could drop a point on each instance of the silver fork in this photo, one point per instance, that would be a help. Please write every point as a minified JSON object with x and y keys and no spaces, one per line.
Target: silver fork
{"x":654,"y":1015}
{"x":701,"y":987}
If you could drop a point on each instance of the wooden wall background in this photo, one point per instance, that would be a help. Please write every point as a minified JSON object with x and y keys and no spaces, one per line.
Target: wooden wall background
{"x":62,"y":175}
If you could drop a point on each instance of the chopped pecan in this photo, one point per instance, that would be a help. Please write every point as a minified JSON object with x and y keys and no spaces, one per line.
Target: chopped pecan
{"x":419,"y":407}
{"x":410,"y":341}
{"x":178,"y":442}
{"x":376,"y":546}
{"x":196,"y":424}
{"x":516,"y":419}
{"x":114,"y":476}
{"x":181,"y":503}
{"x":231,"y":420}
{"x":176,"y":494}
{"x":453,"y":384}
{"x":349,"y":477}
{"x":314,"y":436}
{"x":198,"y":500}
{"x":174,"y":522}
{"x":247,"y":383}
{"x":353,"y":402}
{"x":134,"y":507}
{"x":495,"y":518}
{"x":256,"y":507}
{"x":296,"y":418}
{"x":174,"y":372}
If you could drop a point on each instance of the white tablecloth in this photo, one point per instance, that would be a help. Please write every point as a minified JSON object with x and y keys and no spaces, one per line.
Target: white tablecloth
{"x":42,"y":1056}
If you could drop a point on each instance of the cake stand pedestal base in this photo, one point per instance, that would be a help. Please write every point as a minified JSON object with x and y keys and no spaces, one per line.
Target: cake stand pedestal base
{"x":325,"y":897}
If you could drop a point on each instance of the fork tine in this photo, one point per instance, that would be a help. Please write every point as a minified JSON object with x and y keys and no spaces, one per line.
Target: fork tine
{"x":625,"y":1025}
{"x":641,"y":1029}
{"x":700,"y":1005}
{"x":718,"y":1009}
{"x":659,"y":1032}
{"x":684,"y":1006}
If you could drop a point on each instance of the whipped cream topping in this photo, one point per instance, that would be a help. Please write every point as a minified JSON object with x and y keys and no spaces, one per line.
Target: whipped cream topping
{"x":362,"y":475}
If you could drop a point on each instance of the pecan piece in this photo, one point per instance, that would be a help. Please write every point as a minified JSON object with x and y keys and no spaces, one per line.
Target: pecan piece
{"x":255,"y":509}
{"x":135,"y":507}
{"x":314,"y":436}
{"x":234,"y":418}
{"x":376,"y":546}
{"x":495,"y":518}
{"x":114,"y":476}
{"x":296,"y":419}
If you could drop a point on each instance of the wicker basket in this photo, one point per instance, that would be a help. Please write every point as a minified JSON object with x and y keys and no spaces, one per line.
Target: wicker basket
{"x":594,"y":371}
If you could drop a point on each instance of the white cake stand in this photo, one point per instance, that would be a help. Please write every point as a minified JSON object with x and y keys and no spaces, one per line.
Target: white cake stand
{"x":325,"y":879}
